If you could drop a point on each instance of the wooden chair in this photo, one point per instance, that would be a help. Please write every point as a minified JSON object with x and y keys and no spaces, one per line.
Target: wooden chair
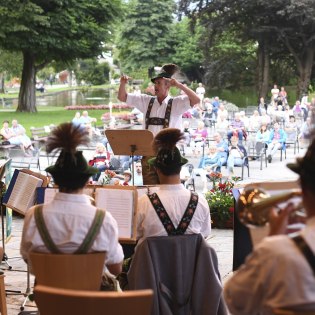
{"x":292,"y":312}
{"x":3,"y":302}
{"x":68,"y":271}
{"x":52,"y":301}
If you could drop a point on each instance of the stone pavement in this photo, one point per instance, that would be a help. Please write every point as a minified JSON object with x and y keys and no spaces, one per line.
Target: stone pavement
{"x":221,"y":240}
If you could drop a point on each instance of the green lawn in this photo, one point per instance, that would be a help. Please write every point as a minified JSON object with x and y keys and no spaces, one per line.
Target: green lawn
{"x":46,"y":116}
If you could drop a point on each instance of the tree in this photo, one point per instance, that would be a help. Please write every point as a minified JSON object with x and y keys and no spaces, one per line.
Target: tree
{"x":145,"y":39}
{"x":92,"y":71}
{"x":53,"y":30}
{"x":187,"y":49}
{"x":10,"y":65}
{"x":286,"y":25}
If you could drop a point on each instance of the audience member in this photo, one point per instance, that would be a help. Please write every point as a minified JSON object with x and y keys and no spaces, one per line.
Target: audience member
{"x":236,"y":154}
{"x":200,"y":91}
{"x":305,"y":132}
{"x":222,"y":112}
{"x":208,"y":116}
{"x":222,"y":126}
{"x":254,"y":121}
{"x":262,"y":105}
{"x":222,"y":147}
{"x":283,"y":96}
{"x":265,"y":118}
{"x":16,"y":135}
{"x":138,"y":179}
{"x":277,"y":274}
{"x":70,"y":215}
{"x":100,"y":160}
{"x":85,"y":119}
{"x":199,"y":137}
{"x":276,"y":141}
{"x":291,"y":128}
{"x":274,"y":94}
{"x":215,"y":105}
{"x":236,"y":127}
{"x":262,"y":138}
{"x":76,"y":119}
{"x":127,"y":178}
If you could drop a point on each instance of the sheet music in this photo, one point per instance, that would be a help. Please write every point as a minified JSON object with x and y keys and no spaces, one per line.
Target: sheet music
{"x":120,"y":203}
{"x":50,"y":193}
{"x":23,"y":193}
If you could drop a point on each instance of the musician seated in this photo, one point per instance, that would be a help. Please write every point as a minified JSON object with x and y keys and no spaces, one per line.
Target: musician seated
{"x":277,"y":274}
{"x":174,"y":197}
{"x":67,"y":219}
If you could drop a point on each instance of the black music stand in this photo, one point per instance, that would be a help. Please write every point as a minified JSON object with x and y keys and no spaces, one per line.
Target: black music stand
{"x":130,"y":142}
{"x":2,"y":206}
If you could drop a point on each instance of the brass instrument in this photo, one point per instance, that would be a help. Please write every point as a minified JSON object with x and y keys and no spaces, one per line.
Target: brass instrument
{"x":254,"y":205}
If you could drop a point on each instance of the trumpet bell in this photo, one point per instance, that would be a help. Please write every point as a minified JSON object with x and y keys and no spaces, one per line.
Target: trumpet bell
{"x":254,"y":205}
{"x":248,"y":198}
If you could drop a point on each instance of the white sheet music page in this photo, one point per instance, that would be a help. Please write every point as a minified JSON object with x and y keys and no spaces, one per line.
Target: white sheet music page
{"x":120,"y":203}
{"x":23,"y":193}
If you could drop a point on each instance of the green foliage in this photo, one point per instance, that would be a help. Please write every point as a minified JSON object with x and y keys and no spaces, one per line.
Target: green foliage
{"x":57,"y":29}
{"x":145,"y":39}
{"x":92,"y":72}
{"x":187,"y":49}
{"x":220,"y":199}
{"x":10,"y":63}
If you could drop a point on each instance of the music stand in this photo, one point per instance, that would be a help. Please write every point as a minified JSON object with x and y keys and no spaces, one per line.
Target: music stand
{"x":3,"y":167}
{"x":130,"y":142}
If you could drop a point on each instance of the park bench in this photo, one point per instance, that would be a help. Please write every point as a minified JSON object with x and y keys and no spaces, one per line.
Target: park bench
{"x":40,"y":134}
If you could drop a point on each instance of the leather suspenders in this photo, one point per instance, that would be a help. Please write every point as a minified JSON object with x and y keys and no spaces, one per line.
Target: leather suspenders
{"x":157,"y":121}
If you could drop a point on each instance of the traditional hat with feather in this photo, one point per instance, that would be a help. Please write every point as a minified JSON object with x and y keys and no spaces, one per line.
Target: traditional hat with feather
{"x":168,"y":155}
{"x":71,"y":163}
{"x":167,"y":71}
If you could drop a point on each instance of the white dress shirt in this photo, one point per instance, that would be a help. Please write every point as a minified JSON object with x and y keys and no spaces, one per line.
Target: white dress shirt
{"x":179,"y":106}
{"x":68,"y":218}
{"x":175,"y":199}
{"x":275,"y":275}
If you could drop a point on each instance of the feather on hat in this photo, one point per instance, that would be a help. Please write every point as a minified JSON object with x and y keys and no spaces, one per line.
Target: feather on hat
{"x":167,"y":71}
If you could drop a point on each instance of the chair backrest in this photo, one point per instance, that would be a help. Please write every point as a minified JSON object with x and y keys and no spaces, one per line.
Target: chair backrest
{"x":68,"y":271}
{"x":291,"y":312}
{"x":52,"y":301}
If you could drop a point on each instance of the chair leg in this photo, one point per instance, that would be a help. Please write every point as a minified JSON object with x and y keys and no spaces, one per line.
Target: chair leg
{"x":3,"y":302}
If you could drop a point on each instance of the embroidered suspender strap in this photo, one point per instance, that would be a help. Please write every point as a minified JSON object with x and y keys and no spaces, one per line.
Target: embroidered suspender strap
{"x":147,"y":115}
{"x":168,"y":113}
{"x":157,"y":121}
{"x":189,"y":213}
{"x":162,"y":214}
{"x":165,"y":219}
{"x":42,"y":229}
{"x":92,"y":233}
{"x":306,"y":251}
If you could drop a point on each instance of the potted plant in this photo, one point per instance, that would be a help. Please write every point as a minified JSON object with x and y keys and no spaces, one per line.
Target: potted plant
{"x":221,"y":202}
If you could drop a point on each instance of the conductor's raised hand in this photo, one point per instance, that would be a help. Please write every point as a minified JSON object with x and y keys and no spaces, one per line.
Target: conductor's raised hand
{"x":124,"y":79}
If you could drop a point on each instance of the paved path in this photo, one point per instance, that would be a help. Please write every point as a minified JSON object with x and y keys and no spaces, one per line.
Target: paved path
{"x":221,"y":240}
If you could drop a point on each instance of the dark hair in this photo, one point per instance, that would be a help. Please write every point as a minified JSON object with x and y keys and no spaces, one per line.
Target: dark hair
{"x":5,"y":121}
{"x":168,"y":171}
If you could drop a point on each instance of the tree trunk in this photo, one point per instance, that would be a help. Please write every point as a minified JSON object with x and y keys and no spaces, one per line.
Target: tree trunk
{"x":27,"y":95}
{"x":263,"y":69}
{"x":305,"y":71}
{"x":2,"y":82}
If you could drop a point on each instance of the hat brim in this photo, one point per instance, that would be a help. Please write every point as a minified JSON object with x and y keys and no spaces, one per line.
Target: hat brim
{"x":295,"y":167}
{"x":90,"y":171}
{"x":161,"y":75}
